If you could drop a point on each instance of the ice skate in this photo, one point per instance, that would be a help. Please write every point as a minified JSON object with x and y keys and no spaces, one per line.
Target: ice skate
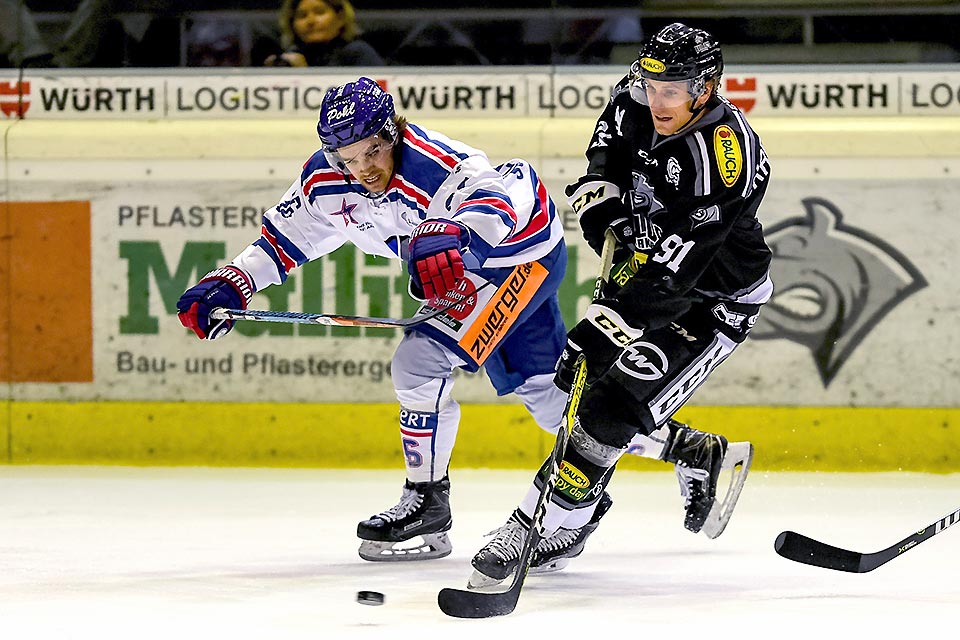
{"x":554,"y":552}
{"x":700,"y":459}
{"x":500,"y":557}
{"x":424,"y":512}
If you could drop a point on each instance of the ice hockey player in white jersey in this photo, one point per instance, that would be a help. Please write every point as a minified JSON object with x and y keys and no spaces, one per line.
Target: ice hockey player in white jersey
{"x":397,"y":190}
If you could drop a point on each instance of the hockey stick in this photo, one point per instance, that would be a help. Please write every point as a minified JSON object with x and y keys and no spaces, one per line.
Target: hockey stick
{"x":337,"y":320}
{"x":800,"y":548}
{"x":460,"y":603}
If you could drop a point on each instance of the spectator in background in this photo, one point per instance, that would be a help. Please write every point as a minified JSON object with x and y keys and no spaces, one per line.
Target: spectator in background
{"x":214,"y":44}
{"x":321,"y":33}
{"x":437,"y":43}
{"x":93,"y":38}
{"x":20,"y":41}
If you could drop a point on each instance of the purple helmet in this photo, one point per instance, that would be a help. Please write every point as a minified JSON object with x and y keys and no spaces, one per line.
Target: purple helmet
{"x":355,"y":111}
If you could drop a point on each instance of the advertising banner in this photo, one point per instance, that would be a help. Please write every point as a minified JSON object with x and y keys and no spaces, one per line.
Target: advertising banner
{"x":533,"y":91}
{"x":865,"y":295}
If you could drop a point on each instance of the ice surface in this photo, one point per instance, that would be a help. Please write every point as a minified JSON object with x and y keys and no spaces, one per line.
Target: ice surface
{"x":113,"y":552}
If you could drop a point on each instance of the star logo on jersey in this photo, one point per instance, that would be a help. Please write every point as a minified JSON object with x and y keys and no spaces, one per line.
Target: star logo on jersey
{"x":346,"y":210}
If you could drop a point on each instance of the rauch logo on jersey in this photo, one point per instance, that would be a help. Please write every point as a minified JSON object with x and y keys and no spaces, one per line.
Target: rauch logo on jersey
{"x":729,"y":158}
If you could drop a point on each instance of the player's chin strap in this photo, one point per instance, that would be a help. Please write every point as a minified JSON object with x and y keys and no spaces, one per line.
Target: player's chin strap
{"x":695,"y":112}
{"x":693,"y":115}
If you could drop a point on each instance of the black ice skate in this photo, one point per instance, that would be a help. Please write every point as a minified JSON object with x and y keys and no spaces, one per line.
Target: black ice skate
{"x":500,"y":557}
{"x":699,"y":459}
{"x":424,"y":511}
{"x":554,"y":553}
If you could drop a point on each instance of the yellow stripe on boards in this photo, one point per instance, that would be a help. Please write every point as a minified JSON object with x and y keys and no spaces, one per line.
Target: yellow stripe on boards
{"x":491,"y":436}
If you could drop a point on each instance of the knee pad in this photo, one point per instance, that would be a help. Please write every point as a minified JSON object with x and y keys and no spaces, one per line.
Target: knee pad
{"x":422,"y":373}
{"x":419,"y":359}
{"x":611,"y":416}
{"x":544,"y":400}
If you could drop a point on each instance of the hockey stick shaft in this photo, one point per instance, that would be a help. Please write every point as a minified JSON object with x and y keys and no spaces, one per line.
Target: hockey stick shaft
{"x":338,"y":320}
{"x":800,"y":548}
{"x":461,"y":603}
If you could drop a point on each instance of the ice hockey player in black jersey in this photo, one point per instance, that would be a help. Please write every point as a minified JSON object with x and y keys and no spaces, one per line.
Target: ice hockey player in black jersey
{"x":675,"y":170}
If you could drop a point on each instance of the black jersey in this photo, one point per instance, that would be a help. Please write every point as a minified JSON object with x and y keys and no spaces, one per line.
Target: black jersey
{"x":694,"y":196}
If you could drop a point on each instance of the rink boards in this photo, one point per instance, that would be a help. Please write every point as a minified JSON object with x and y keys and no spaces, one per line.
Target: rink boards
{"x":365,"y":436}
{"x":852,"y":366}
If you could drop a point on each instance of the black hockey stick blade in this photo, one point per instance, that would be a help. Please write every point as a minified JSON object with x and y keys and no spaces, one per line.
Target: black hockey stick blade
{"x":800,"y":548}
{"x":338,"y":320}
{"x":460,"y":603}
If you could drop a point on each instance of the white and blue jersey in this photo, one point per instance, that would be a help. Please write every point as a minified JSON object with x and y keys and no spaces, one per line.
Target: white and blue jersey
{"x":509,"y":217}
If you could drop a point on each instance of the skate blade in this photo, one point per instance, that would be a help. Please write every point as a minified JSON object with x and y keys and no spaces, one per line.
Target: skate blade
{"x":434,"y":545}
{"x":549,"y":567}
{"x":482,"y":582}
{"x":737,"y":460}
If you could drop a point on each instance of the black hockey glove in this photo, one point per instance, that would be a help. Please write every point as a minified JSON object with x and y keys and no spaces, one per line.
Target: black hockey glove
{"x":600,"y":336}
{"x":599,"y":207}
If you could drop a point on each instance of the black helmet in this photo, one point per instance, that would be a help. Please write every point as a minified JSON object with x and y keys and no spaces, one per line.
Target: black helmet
{"x":678,"y":52}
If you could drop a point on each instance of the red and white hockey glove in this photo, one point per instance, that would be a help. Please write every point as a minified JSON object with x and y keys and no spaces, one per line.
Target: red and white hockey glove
{"x":435,"y":263}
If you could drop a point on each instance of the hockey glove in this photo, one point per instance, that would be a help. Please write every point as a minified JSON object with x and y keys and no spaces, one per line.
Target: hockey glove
{"x":228,"y":287}
{"x":435,"y":263}
{"x":600,"y":336}
{"x":598,"y":205}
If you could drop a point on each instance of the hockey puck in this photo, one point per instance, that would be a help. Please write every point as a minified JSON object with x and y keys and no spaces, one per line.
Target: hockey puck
{"x":372,"y":598}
